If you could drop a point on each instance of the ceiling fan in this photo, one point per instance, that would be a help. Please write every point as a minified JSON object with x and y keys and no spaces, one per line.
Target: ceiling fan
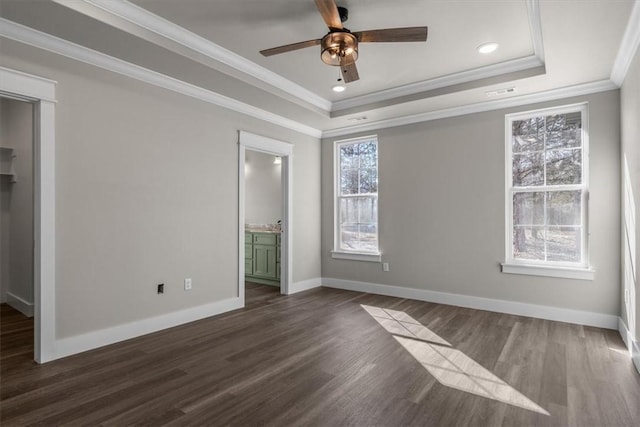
{"x":339,"y":46}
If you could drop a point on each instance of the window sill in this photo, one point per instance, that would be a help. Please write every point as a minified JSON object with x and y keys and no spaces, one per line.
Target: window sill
{"x":357,"y":256}
{"x":543,"y":270}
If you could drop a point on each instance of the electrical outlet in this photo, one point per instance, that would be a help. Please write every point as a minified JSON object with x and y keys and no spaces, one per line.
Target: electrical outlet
{"x":160,"y":288}
{"x":385,"y":266}
{"x":187,"y":284}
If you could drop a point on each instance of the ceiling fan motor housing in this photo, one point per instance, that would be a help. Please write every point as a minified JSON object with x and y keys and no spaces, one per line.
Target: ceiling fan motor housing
{"x":338,"y":44}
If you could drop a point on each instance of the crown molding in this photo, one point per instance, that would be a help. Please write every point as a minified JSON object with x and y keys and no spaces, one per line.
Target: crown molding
{"x":145,"y":20}
{"x":515,"y":65}
{"x":535,"y":27}
{"x":549,"y":95}
{"x":26,"y":35}
{"x":159,"y":26}
{"x":628,"y":46}
{"x":440,"y":82}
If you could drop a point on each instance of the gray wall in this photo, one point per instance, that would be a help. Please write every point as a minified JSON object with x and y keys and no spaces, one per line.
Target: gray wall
{"x":16,"y":222}
{"x":263,"y":189}
{"x":147,"y":192}
{"x":630,"y":119}
{"x":442,"y":209}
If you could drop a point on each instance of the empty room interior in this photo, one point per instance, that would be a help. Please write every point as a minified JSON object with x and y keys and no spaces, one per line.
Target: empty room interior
{"x":319,"y":212}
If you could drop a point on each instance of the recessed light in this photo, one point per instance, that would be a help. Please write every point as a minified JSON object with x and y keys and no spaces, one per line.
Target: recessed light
{"x":338,"y":88}
{"x":487,"y":47}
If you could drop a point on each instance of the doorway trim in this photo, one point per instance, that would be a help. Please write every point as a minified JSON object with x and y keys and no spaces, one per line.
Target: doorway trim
{"x":250,"y":141}
{"x":41,"y":93}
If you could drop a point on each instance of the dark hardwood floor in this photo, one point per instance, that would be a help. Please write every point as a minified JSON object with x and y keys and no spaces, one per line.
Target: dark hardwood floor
{"x":334,"y":358}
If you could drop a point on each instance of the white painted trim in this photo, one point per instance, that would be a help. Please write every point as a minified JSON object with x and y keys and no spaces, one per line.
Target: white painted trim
{"x":628,"y":46}
{"x":147,"y":21}
{"x":27,"y":85}
{"x":439,"y":82}
{"x":79,"y":343}
{"x":514,"y":101}
{"x":356,"y":256}
{"x":23,"y":306}
{"x":250,"y":141}
{"x":511,"y":66}
{"x":544,"y":270}
{"x":586,"y":318}
{"x":305,"y":285}
{"x":535,"y":27}
{"x":20,"y":33}
{"x":159,"y":26}
{"x":42,"y":92}
{"x":632,"y":345}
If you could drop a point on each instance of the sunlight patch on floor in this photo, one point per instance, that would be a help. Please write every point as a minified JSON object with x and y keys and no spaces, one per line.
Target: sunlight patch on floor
{"x":450,"y":367}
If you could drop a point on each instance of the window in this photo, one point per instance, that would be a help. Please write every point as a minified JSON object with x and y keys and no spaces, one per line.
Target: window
{"x":356,"y":201}
{"x":547,"y":192}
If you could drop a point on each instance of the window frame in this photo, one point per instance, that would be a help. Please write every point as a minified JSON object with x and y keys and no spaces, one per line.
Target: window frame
{"x":563,"y":269}
{"x":338,"y":252}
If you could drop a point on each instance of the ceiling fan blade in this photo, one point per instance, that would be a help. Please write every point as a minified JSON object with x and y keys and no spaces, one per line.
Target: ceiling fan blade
{"x":349,"y":69}
{"x":289,"y":47}
{"x":409,"y":34}
{"x":329,"y":12}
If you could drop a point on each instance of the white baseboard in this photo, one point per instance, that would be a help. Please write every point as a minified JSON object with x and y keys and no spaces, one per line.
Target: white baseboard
{"x":305,"y":285}
{"x":632,"y":345}
{"x":79,"y":343}
{"x":586,"y":318}
{"x":23,"y":306}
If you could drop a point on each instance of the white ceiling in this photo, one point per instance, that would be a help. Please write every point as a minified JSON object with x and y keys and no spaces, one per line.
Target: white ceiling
{"x":544,"y":46}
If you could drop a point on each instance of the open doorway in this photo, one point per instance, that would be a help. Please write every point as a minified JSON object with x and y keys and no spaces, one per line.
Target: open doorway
{"x":40,"y":94}
{"x":264,"y":214}
{"x":262,"y":224}
{"x":16,"y":225}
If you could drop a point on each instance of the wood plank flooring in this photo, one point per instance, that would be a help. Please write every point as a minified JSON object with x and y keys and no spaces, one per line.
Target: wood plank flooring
{"x":318,"y":358}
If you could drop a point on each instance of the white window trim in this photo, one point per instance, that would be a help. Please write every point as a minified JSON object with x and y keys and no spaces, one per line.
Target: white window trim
{"x":337,"y":252}
{"x":582,"y":271}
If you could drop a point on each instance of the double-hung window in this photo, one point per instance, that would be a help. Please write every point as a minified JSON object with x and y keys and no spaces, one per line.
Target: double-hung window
{"x":547,"y":193}
{"x":356,"y":199}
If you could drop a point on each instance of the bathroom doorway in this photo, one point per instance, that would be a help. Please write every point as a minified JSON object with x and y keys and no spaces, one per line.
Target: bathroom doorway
{"x":264,"y":219}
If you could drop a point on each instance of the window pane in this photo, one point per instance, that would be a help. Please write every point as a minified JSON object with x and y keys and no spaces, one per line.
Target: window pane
{"x":528,"y":243}
{"x":528,"y":135}
{"x":368,"y":181}
{"x":348,"y":156}
{"x":349,"y":182}
{"x":368,"y":155}
{"x":564,"y":130}
{"x":357,"y":201}
{"x":368,"y":210}
{"x":528,"y":170}
{"x":564,"y":167}
{"x":368,"y":238}
{"x":563,"y":208}
{"x":348,"y":211}
{"x":563,"y":244}
{"x":528,"y":208}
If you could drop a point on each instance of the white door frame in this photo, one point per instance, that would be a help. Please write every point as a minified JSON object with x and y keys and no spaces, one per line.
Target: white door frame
{"x":40,"y":92}
{"x":249,"y":141}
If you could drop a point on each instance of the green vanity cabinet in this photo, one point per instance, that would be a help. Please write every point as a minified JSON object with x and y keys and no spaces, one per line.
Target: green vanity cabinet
{"x":262,"y":257}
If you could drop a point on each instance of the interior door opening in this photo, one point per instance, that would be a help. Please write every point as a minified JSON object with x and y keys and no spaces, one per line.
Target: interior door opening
{"x":264,"y":214}
{"x":263,"y":223}
{"x":17,"y":221}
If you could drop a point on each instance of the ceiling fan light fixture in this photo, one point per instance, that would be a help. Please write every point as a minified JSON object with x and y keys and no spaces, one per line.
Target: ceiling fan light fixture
{"x":488,"y":47}
{"x":336,"y":45}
